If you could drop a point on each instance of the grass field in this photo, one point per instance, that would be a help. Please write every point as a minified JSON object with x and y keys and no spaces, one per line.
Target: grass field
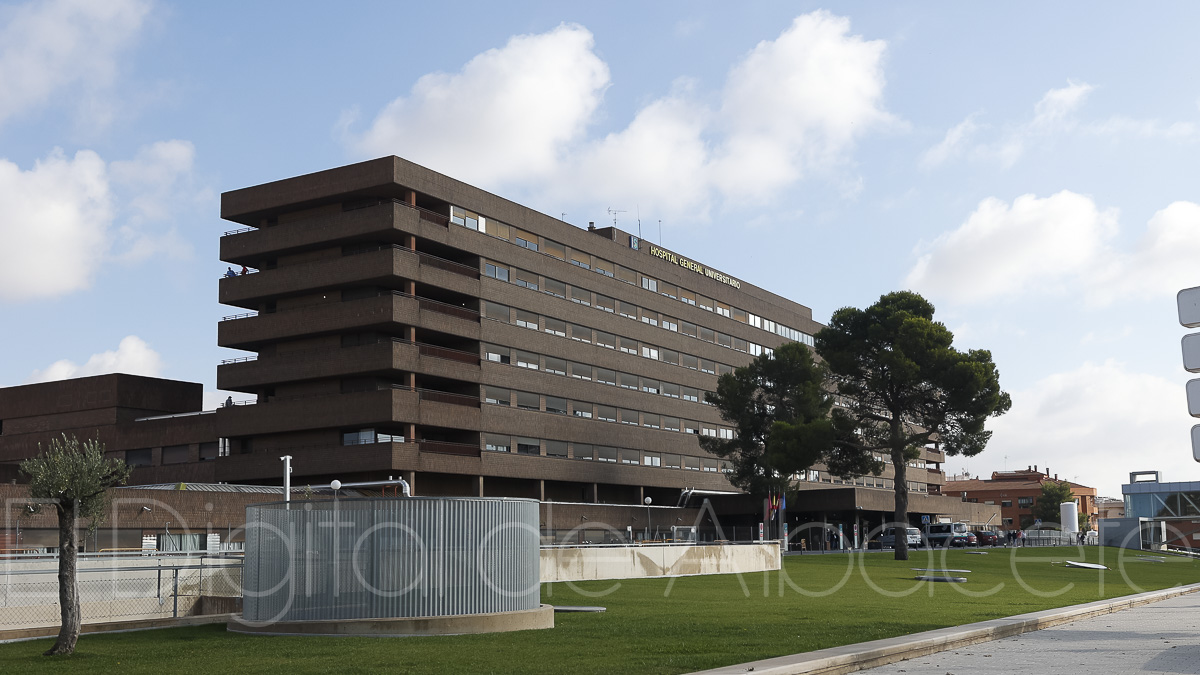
{"x":662,"y":625}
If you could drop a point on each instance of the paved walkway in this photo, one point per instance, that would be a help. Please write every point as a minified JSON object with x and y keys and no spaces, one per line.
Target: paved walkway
{"x":1161,"y":637}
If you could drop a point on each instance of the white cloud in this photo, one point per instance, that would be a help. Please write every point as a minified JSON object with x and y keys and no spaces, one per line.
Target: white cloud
{"x":46,"y":47}
{"x":1061,"y":243}
{"x":508,"y":112}
{"x":64,"y":218}
{"x":516,"y":118}
{"x":132,"y":356}
{"x":54,"y":221}
{"x":1007,"y":249}
{"x":1096,"y":424}
{"x":1053,"y":116}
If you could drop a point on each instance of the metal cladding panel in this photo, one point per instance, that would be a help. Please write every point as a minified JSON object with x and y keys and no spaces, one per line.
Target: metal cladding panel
{"x":390,"y":558}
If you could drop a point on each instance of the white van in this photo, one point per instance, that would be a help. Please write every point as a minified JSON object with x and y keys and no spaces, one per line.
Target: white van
{"x":888,"y":540}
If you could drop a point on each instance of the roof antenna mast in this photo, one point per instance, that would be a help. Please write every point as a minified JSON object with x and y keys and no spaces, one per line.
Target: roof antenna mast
{"x":613,"y":212}
{"x":639,"y":217}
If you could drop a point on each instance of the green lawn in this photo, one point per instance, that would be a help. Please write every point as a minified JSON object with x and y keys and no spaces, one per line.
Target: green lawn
{"x":660,"y":626}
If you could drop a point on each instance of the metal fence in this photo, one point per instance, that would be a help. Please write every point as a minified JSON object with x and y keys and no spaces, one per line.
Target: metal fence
{"x":374,"y":558}
{"x":29,"y":597}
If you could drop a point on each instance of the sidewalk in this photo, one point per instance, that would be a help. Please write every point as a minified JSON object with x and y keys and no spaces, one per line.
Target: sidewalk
{"x":1162,"y":637}
{"x":1153,"y":632}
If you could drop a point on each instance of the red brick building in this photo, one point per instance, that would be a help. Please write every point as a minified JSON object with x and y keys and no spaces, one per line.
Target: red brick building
{"x":1015,"y":492}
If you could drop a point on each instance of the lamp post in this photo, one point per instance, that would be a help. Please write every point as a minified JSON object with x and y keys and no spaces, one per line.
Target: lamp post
{"x":287,"y":478}
{"x":648,"y":500}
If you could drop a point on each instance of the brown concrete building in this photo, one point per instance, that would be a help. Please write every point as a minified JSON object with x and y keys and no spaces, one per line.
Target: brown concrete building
{"x":1017,"y":491}
{"x":396,"y":322}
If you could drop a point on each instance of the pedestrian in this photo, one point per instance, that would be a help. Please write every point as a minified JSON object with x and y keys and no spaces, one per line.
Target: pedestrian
{"x":229,"y":402}
{"x":1021,"y":537}
{"x":229,"y":272}
{"x":245,"y":271}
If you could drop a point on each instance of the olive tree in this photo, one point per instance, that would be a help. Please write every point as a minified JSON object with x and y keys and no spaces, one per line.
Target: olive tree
{"x":75,"y":478}
{"x":905,"y":386}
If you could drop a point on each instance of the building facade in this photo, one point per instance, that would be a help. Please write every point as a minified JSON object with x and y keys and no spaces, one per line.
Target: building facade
{"x":1015,"y":492}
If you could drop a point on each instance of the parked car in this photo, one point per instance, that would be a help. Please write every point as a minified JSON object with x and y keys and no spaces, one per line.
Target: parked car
{"x":888,"y":539}
{"x":948,"y":534}
{"x":972,"y":540}
{"x":988,"y":538}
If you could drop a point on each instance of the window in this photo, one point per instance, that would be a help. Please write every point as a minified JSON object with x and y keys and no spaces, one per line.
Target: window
{"x":605,"y":376}
{"x":670,"y":423}
{"x":581,"y":371}
{"x":670,"y":323}
{"x":556,"y":448}
{"x":496,"y":311}
{"x":650,"y":317}
{"x":669,"y":356}
{"x":707,"y":334}
{"x":580,"y":258}
{"x":627,"y":275}
{"x":602,"y":266}
{"x":626,"y":416}
{"x":630,"y":456}
{"x":740,"y":345}
{"x":691,"y":463}
{"x":581,"y":296}
{"x":650,"y":283}
{"x":628,"y":380}
{"x":689,"y":361}
{"x":723,"y":369}
{"x":629,"y":346}
{"x":467,"y":219}
{"x":527,"y":319}
{"x":581,"y":333}
{"x":582,"y":451}
{"x":1024,"y":502}
{"x":671,"y":390}
{"x":724,"y":340}
{"x":581,"y":409}
{"x":143,"y":457}
{"x":687,"y":328}
{"x":627,"y":310}
{"x":553,"y":365}
{"x":650,"y":352}
{"x":1006,"y":502}
{"x":556,"y":327}
{"x":496,"y":353}
{"x":497,"y":443}
{"x":524,"y":239}
{"x":650,"y":386}
{"x":690,"y":394}
{"x":497,"y":229}
{"x":671,"y":461}
{"x":209,"y":451}
{"x":359,"y":437}
{"x":529,"y":446}
{"x":704,"y":303}
{"x":551,"y":247}
{"x":606,"y":339}
{"x":754,"y":320}
{"x":687,"y":296}
{"x":707,"y":366}
{"x":606,"y":413}
{"x":525,"y":278}
{"x":497,"y":396}
{"x":740,"y":315}
{"x":724,"y":433}
{"x":555,"y":287}
{"x":528,"y":401}
{"x":175,"y":454}
{"x":526,"y":359}
{"x":755,"y":350}
{"x":706,"y":429}
{"x":606,"y":303}
{"x":495,"y":271}
{"x":668,"y":290}
{"x":651,"y":459}
{"x":652,"y":421}
{"x":722,"y":309}
{"x":606,"y":454}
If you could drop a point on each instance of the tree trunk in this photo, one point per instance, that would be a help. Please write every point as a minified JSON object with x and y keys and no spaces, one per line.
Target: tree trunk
{"x":68,"y":591}
{"x":900,"y":465}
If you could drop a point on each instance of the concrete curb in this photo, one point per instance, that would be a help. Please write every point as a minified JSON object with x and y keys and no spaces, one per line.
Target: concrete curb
{"x":851,"y":658}
{"x":23,"y":634}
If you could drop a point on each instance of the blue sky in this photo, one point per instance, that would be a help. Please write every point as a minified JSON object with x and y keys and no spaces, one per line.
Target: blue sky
{"x":1029,"y":168}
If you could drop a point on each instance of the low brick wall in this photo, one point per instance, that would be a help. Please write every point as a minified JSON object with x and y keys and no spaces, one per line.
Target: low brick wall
{"x":588,"y":563}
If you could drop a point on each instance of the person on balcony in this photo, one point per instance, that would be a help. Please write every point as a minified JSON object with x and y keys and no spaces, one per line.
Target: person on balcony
{"x":229,"y":272}
{"x":245,"y":271}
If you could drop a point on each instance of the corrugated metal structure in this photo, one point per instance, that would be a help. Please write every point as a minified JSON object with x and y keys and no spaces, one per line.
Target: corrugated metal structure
{"x":390,"y":558}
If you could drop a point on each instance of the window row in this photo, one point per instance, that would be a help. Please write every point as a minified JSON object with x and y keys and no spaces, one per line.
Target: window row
{"x":526,"y":400}
{"x":526,"y":319}
{"x":583,"y":371}
{"x":495,"y":228}
{"x":600,"y":453}
{"x":817,"y":476}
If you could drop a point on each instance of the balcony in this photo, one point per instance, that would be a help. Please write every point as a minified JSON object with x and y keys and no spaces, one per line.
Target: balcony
{"x":370,"y":268}
{"x":386,"y":221}
{"x":365,"y":409}
{"x":246,"y":331}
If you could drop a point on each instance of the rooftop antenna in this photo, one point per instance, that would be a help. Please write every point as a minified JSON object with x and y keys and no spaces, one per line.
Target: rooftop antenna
{"x":639,"y":217}
{"x":660,"y":239}
{"x":563,"y":217}
{"x":613,"y":212}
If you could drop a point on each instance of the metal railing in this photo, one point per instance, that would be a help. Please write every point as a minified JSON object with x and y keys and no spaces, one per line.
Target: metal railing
{"x":448,"y":309}
{"x":437,"y":352}
{"x":447,"y":397}
{"x":448,"y":448}
{"x":29,"y":597}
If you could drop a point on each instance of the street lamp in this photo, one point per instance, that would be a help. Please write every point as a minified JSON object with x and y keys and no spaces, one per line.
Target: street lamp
{"x":648,"y":500}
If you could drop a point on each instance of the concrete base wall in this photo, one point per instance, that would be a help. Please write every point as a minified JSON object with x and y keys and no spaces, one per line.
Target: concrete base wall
{"x":632,"y":562}
{"x":500,"y":622}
